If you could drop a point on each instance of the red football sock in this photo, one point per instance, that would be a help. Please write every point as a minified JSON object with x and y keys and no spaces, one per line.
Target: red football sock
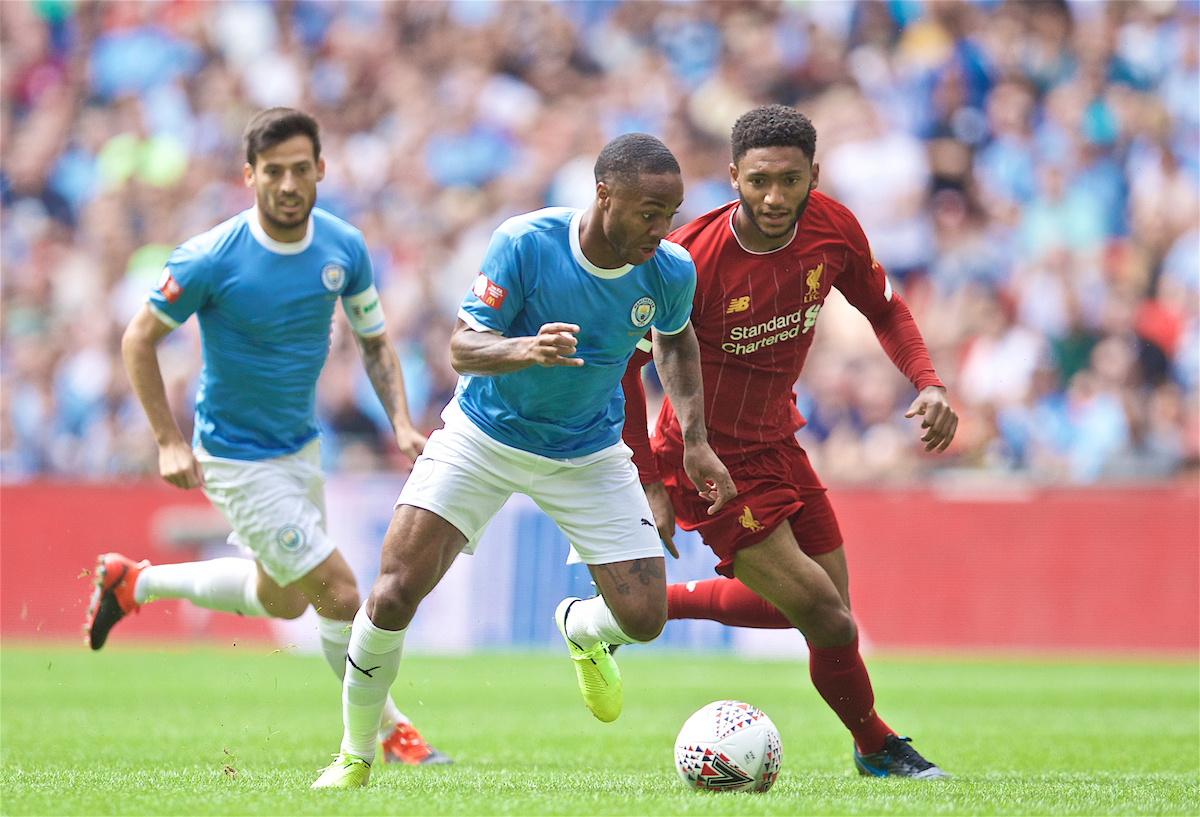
{"x":840,"y":676}
{"x":725,"y":600}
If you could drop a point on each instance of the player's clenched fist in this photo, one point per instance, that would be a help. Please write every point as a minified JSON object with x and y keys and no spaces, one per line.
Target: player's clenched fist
{"x":554,"y":345}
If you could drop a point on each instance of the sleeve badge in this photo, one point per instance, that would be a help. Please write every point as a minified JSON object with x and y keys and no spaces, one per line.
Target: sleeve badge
{"x":168,"y":287}
{"x":490,"y":293}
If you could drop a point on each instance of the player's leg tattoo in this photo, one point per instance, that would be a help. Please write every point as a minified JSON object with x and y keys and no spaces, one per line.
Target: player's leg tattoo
{"x":619,"y":583}
{"x":647,"y":571}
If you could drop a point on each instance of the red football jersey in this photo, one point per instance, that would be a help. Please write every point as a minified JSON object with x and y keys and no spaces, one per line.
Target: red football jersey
{"x":755,"y":315}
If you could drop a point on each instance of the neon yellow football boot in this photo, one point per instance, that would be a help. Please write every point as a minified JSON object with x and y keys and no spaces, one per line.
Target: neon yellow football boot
{"x":345,"y":772}
{"x":595,"y":669}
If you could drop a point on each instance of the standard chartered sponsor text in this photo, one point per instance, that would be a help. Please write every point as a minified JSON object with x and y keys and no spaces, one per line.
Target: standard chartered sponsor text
{"x":768,"y":333}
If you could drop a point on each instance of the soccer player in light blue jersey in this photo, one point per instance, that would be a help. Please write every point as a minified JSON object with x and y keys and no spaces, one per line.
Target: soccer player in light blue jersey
{"x":541,"y":342}
{"x":263,"y":286}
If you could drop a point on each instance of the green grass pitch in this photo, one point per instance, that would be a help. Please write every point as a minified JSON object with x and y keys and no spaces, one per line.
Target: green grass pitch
{"x":244,"y":731}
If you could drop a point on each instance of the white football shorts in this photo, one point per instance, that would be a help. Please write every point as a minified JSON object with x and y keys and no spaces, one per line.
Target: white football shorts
{"x":276,"y":508}
{"x":465,"y":476}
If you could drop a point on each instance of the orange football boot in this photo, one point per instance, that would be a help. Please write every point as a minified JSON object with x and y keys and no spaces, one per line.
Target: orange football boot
{"x":112,"y":599}
{"x":405,"y":745}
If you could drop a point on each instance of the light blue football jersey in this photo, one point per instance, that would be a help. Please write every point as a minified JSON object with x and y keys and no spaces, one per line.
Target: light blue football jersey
{"x":265,"y":310}
{"x":535,"y":273}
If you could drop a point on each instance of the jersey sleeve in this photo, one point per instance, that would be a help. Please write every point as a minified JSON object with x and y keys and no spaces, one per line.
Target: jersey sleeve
{"x":360,"y":298}
{"x":184,"y":286}
{"x":636,"y":433}
{"x":866,"y":286}
{"x":680,"y":278}
{"x":360,"y":276}
{"x":497,"y":294}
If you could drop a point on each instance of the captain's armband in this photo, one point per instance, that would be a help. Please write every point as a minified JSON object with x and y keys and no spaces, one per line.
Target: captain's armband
{"x":365,"y":312}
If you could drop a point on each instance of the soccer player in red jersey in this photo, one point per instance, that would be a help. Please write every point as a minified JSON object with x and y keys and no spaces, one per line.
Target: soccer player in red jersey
{"x":765,"y":264}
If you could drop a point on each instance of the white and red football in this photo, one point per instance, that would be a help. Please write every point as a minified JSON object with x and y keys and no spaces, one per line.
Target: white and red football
{"x":728,"y":746}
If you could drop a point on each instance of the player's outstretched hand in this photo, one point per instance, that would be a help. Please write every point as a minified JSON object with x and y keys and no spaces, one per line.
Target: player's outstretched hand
{"x":178,"y":466}
{"x":708,"y":474}
{"x":411,"y":442}
{"x":554,"y":344}
{"x":664,"y":514}
{"x":936,"y":415}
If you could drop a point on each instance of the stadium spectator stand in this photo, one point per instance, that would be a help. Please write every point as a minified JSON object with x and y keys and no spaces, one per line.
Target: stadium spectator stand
{"x":1028,"y":171}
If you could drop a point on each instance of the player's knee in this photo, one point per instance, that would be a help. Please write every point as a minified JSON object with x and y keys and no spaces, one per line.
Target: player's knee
{"x":835,"y":627}
{"x":644,"y":625}
{"x":394,"y":600}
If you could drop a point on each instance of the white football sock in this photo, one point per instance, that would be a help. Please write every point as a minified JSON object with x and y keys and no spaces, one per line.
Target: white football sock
{"x":391,"y":718}
{"x":373,"y":660}
{"x":335,"y":641}
{"x":229,"y":585}
{"x":590,"y":621}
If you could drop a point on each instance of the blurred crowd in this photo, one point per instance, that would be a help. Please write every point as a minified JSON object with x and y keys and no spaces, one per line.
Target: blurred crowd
{"x":1026,"y":171}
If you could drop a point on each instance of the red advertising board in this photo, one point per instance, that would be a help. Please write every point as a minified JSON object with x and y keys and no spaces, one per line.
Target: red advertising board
{"x":1113,"y":569}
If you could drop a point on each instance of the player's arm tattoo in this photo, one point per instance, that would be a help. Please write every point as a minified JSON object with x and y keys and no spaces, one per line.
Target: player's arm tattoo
{"x":383,"y":370}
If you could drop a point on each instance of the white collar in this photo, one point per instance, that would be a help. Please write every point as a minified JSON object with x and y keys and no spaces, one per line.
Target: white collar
{"x":577,"y":251}
{"x":733,"y":213}
{"x":278,"y":247}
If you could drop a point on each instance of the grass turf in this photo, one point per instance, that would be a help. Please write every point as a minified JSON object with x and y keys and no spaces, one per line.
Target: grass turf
{"x":245,"y":730}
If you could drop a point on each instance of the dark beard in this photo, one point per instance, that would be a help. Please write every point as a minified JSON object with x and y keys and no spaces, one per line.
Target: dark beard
{"x":799,"y":213}
{"x":283,"y":225}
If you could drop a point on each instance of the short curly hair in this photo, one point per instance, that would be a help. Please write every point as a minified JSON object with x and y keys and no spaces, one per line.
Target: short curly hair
{"x":773,"y":126}
{"x":632,"y":154}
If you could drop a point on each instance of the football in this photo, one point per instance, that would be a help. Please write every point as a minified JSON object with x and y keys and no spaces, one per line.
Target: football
{"x":728,"y":746}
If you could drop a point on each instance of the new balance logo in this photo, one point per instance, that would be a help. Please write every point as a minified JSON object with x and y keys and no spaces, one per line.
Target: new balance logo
{"x":366,"y":672}
{"x":738,"y":305}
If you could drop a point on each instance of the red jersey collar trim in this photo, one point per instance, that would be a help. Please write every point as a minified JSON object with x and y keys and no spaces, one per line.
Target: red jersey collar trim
{"x":733,"y":212}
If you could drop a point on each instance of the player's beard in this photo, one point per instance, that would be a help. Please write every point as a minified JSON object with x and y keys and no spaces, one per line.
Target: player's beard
{"x":301,"y":218}
{"x":749,"y":211}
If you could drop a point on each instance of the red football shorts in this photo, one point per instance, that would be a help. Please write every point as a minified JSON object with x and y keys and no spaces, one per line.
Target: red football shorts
{"x":774,"y":485}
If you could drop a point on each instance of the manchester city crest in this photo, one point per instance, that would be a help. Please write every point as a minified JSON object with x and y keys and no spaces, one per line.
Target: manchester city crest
{"x":290,"y":537}
{"x":333,"y":276}
{"x":642,"y":312}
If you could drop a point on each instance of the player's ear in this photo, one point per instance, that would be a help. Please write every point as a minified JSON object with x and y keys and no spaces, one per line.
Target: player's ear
{"x":603,"y":195}
{"x":816,"y":173}
{"x":248,"y":174}
{"x":733,"y":176}
{"x":320,"y":168}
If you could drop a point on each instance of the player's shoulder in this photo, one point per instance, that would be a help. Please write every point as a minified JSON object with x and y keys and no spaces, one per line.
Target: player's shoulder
{"x":710,"y":225}
{"x":327,"y":224}
{"x":215,"y":242}
{"x":834,"y":216}
{"x":538,"y":221}
{"x":674,"y":260}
